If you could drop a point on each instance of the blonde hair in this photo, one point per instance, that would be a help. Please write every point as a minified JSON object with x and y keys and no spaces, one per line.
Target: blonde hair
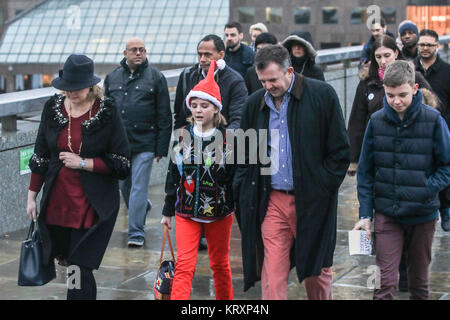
{"x":258,"y":26}
{"x":95,"y":92}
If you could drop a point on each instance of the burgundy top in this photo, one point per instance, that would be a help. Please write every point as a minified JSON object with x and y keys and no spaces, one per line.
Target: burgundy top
{"x":68,"y":205}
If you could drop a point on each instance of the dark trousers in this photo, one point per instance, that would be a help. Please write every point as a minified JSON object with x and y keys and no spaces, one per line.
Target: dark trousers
{"x":63,"y":240}
{"x":87,"y":289}
{"x":391,"y":237}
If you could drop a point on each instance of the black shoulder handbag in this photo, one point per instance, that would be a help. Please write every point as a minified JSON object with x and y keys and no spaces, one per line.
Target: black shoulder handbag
{"x":32,"y":270}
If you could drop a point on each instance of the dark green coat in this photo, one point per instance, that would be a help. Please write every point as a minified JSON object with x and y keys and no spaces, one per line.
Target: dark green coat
{"x":320,"y":155}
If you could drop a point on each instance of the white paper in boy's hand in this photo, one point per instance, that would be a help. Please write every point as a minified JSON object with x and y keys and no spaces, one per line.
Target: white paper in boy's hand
{"x":358,"y":243}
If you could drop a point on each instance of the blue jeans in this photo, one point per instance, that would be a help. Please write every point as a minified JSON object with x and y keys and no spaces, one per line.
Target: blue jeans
{"x":135,"y":193}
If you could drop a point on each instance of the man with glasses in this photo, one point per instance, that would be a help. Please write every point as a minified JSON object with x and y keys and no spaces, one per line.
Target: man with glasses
{"x":437,"y":73}
{"x":141,"y":95}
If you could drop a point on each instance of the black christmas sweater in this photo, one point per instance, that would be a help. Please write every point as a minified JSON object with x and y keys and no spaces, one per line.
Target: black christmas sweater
{"x":199,"y":177}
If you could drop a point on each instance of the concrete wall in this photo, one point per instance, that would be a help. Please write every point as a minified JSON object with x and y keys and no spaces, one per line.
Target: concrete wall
{"x":13,"y":188}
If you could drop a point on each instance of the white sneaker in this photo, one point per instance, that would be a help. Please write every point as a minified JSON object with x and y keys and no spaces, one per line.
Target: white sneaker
{"x":136,"y":243}
{"x":149,"y":206}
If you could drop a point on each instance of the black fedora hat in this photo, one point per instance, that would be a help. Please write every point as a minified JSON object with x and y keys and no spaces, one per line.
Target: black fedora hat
{"x":77,"y":74}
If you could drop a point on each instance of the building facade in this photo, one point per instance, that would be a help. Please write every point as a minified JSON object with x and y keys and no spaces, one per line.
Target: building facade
{"x":37,"y":36}
{"x":10,"y":9}
{"x":332,"y":23}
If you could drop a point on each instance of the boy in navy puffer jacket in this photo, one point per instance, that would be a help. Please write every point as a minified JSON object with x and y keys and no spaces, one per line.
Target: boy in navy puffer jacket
{"x":404,"y":163}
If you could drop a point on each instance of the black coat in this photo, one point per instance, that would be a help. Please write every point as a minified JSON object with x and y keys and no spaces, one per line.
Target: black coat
{"x":240,"y":60}
{"x":232,"y":91}
{"x":320,"y":155}
{"x":103,"y":136}
{"x":408,"y":55}
{"x":438,"y":76}
{"x":252,"y":81}
{"x":307,"y":67}
{"x":211,"y":195}
{"x":144,"y":105}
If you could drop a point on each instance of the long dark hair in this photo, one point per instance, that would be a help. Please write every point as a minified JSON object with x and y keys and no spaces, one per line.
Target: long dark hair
{"x":383,"y":41}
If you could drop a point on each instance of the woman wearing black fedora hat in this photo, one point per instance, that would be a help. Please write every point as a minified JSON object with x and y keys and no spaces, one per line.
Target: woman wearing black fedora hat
{"x":81,"y":151}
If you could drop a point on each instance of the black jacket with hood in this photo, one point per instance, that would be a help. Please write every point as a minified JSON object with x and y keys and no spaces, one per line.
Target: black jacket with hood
{"x":305,"y":65}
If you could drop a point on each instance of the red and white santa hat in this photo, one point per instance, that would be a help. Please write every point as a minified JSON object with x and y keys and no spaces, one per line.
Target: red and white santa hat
{"x":207,"y":89}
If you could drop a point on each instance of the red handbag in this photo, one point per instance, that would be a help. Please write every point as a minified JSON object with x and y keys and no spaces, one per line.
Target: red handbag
{"x":164,"y":278}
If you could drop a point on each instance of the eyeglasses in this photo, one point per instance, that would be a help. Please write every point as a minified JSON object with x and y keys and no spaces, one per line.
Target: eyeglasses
{"x":134,"y":49}
{"x":427,"y":45}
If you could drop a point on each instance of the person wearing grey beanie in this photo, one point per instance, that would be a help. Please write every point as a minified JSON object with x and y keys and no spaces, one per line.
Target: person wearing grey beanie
{"x":409,"y":35}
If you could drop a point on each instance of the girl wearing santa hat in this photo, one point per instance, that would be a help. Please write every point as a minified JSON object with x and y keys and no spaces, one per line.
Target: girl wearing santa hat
{"x":199,"y":192}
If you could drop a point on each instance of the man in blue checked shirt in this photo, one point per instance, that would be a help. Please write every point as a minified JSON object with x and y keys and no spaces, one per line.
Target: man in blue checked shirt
{"x":288,"y":218}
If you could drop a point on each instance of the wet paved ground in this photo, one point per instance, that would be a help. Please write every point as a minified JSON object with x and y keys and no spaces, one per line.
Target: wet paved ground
{"x":128,"y":274}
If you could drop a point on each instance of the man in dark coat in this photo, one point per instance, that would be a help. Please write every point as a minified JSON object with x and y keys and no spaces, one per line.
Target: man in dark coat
{"x":377,"y":29}
{"x":409,"y":35}
{"x":289,"y":217}
{"x":237,"y":55}
{"x":232,"y":87}
{"x":437,"y":73}
{"x":301,"y":48}
{"x":140,"y":93}
{"x":251,"y":78}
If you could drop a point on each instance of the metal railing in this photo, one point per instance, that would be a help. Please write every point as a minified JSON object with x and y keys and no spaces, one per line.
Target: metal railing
{"x":16,"y":103}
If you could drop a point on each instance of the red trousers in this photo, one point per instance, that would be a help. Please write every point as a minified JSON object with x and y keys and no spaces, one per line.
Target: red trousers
{"x":217,"y":234}
{"x":279,"y":230}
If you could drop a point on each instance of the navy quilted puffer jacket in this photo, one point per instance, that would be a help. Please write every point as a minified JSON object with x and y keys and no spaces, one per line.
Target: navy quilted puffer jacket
{"x":404,"y":163}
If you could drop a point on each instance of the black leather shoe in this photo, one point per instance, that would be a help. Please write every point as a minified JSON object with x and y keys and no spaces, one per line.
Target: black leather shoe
{"x":202,"y":244}
{"x":403,"y":282}
{"x":149,"y":206}
{"x":445,"y":219}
